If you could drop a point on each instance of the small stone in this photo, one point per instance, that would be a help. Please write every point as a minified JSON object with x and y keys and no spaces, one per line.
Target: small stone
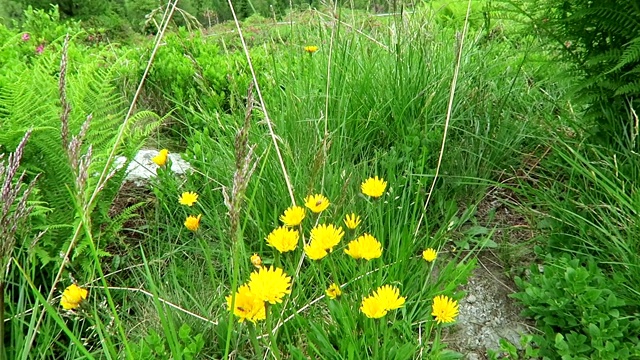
{"x":471,"y":299}
{"x":472,"y":356}
{"x":142,"y":168}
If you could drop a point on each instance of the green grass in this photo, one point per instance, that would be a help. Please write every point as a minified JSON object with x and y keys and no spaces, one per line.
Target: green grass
{"x":369,"y":102}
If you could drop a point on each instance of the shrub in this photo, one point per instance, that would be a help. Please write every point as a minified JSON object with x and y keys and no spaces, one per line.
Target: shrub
{"x":574,"y":305}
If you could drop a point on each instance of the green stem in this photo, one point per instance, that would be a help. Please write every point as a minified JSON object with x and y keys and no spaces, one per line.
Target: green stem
{"x":376,"y":344}
{"x":426,"y":279}
{"x":272,"y":338}
{"x":234,"y":284}
{"x":276,"y":259}
{"x":385,"y":330}
{"x":334,"y":271}
{"x":254,"y":341}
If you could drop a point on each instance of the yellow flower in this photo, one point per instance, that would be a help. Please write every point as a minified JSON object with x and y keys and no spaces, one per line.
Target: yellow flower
{"x":390,"y":297}
{"x":247,"y":306}
{"x":385,"y":298}
{"x":352,"y":221}
{"x":270,"y":285}
{"x":373,"y":308}
{"x":311,"y":49}
{"x":333,"y":291}
{"x":188,"y":198}
{"x":256,"y":261}
{"x":72,"y":296}
{"x":315,"y":251}
{"x":293,"y":216}
{"x":445,"y":309}
{"x":161,"y":158}
{"x":192,"y":223}
{"x":316,"y":203}
{"x":326,"y":236}
{"x":365,"y":247}
{"x":373,"y":187}
{"x":283,"y":239}
{"x":430,"y":254}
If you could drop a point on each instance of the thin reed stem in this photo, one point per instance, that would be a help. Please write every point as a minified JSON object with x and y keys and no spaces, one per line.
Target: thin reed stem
{"x":263,"y":105}
{"x":452,"y":94}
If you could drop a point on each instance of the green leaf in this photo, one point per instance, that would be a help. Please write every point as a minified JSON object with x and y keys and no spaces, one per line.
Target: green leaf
{"x":184,"y":332}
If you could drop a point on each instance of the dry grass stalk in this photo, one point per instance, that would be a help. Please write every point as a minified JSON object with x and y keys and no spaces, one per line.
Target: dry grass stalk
{"x":245,"y":165}
{"x":62,"y":84}
{"x":13,"y":212}
{"x":14,"y":201}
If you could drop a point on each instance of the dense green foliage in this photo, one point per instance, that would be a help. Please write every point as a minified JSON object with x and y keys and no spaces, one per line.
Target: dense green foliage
{"x":30,"y":99}
{"x":581,"y":316}
{"x":602,"y":41}
{"x":118,"y":17}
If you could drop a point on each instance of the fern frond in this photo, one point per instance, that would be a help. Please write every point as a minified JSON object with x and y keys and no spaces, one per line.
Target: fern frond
{"x":31,"y":100}
{"x":630,"y":55}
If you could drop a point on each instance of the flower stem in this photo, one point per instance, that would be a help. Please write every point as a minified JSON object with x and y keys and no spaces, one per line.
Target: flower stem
{"x":385,"y":330}
{"x":273,"y":346}
{"x":276,"y":259}
{"x":254,"y":341}
{"x":334,"y":271}
{"x":376,"y":344}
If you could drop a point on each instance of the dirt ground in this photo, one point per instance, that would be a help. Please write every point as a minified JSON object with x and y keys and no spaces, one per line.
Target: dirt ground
{"x":487,"y":313}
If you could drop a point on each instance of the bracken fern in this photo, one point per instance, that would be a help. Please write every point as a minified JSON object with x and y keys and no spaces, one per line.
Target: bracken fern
{"x":602,"y":39}
{"x":32,"y":101}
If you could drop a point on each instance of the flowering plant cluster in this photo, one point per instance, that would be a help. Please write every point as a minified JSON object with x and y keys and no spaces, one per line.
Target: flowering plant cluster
{"x":269,"y":286}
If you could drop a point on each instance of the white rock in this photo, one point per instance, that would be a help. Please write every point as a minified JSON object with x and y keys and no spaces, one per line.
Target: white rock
{"x":142,"y":168}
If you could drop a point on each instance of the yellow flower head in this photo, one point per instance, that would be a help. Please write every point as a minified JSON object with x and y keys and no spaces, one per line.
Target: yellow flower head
{"x":365,"y":247}
{"x":311,"y":49}
{"x":256,"y":261}
{"x":283,"y":239}
{"x":373,"y":308}
{"x":373,"y":187}
{"x":270,"y":285}
{"x":247,"y":306}
{"x":293,"y":216}
{"x":385,"y":298}
{"x":326,"y":236}
{"x":315,"y":251}
{"x":390,"y":297}
{"x":192,"y":223}
{"x":333,"y":291}
{"x":72,"y":296}
{"x":188,"y":198}
{"x":352,"y":221}
{"x":316,"y":203}
{"x":161,"y":158}
{"x":430,"y":254}
{"x":445,"y":309}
